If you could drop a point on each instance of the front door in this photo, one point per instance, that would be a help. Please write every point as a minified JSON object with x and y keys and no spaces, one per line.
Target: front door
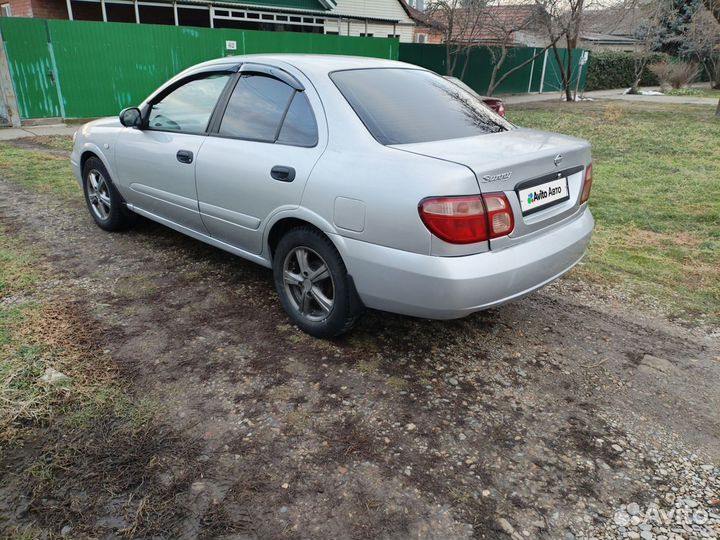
{"x":156,"y":164}
{"x":259,"y":160}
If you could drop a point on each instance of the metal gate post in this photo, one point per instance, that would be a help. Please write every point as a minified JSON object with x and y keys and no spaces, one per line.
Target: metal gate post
{"x":9,"y":98}
{"x":542,"y":76}
{"x":532,"y":69}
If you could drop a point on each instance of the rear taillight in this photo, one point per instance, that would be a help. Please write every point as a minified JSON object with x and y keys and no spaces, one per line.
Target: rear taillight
{"x":499,"y":213}
{"x":466,"y":220}
{"x":587,"y":184}
{"x":458,"y":220}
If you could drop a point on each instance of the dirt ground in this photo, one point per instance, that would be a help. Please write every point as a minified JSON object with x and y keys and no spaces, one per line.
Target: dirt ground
{"x":540,"y":419}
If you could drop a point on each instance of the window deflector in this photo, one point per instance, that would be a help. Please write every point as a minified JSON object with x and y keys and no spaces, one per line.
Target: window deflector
{"x":273,"y":72}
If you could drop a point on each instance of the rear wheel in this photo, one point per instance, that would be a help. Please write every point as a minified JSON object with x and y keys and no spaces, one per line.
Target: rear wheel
{"x":313,"y":285}
{"x":106,"y":205}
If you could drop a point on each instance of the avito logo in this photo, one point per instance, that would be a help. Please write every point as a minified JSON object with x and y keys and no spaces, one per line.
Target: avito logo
{"x":541,"y":194}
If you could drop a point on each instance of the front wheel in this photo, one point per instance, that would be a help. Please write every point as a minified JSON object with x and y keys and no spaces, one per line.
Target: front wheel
{"x":313,"y":285}
{"x":106,"y":205}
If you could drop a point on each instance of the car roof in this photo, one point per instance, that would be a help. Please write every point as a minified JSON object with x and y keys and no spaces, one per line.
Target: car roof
{"x":313,"y":62}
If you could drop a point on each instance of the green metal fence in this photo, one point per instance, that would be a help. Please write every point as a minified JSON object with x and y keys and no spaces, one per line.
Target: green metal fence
{"x":31,"y":67}
{"x":540,"y":75}
{"x":78,"y":69}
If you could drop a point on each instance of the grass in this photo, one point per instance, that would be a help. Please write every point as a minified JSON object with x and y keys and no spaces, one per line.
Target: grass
{"x":656,"y":198}
{"x":57,"y":142}
{"x":36,"y":333}
{"x":695,"y":92}
{"x":37,"y":170}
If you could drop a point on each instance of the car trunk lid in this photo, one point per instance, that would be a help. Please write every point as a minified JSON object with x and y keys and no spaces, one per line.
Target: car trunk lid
{"x":515,"y":162}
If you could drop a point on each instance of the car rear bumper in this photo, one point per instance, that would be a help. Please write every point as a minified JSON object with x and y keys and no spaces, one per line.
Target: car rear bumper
{"x":452,"y":287}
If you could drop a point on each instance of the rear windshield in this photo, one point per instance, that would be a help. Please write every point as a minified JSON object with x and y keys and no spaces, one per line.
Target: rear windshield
{"x":402,"y":106}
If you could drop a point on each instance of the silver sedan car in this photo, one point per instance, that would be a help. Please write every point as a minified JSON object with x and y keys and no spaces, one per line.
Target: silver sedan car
{"x":361,"y":182}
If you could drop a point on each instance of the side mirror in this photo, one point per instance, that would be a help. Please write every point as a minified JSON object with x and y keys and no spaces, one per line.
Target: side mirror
{"x":131,"y":117}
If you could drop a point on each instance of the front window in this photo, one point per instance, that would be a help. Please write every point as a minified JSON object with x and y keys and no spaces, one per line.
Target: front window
{"x":404,"y":106}
{"x":189,"y":107}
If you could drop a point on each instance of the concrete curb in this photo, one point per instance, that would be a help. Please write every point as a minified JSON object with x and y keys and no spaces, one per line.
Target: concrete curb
{"x":35,"y":131}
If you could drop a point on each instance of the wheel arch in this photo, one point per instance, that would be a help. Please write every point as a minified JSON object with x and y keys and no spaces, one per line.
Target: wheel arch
{"x":89,"y":150}
{"x":282,"y":222}
{"x":292,"y":219}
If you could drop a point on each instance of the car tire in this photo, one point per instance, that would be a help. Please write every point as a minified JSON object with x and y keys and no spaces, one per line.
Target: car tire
{"x":317,"y":294}
{"x":105,"y":204}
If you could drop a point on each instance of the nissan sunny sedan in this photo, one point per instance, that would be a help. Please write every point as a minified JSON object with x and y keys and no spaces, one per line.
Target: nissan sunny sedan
{"x":362,"y":183}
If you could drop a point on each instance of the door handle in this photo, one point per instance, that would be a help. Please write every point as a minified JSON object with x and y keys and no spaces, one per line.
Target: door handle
{"x":283,"y":173}
{"x":184,"y":156}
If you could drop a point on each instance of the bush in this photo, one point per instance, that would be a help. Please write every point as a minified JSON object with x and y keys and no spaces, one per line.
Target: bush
{"x":662,"y":70}
{"x":682,"y":74}
{"x":677,"y":75}
{"x":616,"y":69}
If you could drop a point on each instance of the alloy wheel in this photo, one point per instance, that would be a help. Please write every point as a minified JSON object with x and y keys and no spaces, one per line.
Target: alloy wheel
{"x":98,"y":191}
{"x":308,"y":284}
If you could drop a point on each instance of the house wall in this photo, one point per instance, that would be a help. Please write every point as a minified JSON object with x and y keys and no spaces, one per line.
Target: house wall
{"x":20,"y":8}
{"x":357,"y":28}
{"x":381,"y":9}
{"x":50,"y":9}
{"x":432,"y":35}
{"x":594,"y":46}
{"x":389,"y":9}
{"x":530,"y":38}
{"x":45,"y":9}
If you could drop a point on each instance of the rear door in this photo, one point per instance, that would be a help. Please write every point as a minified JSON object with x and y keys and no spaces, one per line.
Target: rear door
{"x":156,"y":164}
{"x":258,"y":156}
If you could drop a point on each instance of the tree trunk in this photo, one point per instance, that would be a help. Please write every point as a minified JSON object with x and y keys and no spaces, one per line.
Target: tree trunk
{"x":496,"y":68}
{"x":448,"y":68}
{"x":639,"y":69}
{"x":563,"y":76}
{"x":717,"y":111}
{"x":465,"y":65}
{"x":567,"y":78}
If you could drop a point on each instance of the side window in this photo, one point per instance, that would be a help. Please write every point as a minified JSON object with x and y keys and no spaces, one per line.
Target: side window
{"x":299,"y":127}
{"x":256,"y":108}
{"x":188,"y":108}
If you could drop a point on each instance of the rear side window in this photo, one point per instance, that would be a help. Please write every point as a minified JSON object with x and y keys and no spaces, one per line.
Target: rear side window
{"x":299,"y":127}
{"x":256,"y":108}
{"x":268,"y":110}
{"x":403,"y":106}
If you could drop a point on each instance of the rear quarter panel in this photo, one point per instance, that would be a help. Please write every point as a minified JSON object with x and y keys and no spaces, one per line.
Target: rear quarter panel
{"x":388,"y":185}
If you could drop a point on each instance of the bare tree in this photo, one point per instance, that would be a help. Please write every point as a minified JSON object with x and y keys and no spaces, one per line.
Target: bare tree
{"x":648,"y":33}
{"x":702,"y":43}
{"x":564,"y":19}
{"x":462,"y":22}
{"x":713,"y":6}
{"x":502,"y":30}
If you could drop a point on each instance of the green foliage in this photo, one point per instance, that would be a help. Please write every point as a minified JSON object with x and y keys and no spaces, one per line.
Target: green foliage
{"x":616,"y":69}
